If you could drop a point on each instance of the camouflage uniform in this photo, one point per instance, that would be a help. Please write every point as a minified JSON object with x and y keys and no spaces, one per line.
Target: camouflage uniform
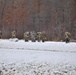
{"x":26,"y":36}
{"x":33,"y":36}
{"x":0,"y":34}
{"x":13,"y":34}
{"x":38,"y":36}
{"x":43,"y":36}
{"x":67,"y":37}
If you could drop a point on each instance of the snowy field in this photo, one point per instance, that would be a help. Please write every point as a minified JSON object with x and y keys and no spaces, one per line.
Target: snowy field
{"x":37,"y":58}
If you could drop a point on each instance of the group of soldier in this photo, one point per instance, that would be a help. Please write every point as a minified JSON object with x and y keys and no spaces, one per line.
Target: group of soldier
{"x":33,"y":36}
{"x":39,"y":36}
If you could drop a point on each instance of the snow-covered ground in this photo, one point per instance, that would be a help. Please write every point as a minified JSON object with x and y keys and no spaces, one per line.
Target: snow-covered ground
{"x":37,"y":58}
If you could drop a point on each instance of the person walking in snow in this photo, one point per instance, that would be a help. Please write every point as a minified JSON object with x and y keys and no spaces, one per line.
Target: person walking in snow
{"x":33,"y":36}
{"x":67,"y":37}
{"x":43,"y":36}
{"x":26,"y":36}
{"x":13,"y":34}
{"x":0,"y":34}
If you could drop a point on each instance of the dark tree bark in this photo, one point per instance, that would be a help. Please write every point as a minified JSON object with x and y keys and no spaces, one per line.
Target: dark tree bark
{"x":52,"y":16}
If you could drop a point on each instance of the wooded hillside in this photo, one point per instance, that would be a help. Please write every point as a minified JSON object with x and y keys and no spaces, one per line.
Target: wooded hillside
{"x":52,"y":16}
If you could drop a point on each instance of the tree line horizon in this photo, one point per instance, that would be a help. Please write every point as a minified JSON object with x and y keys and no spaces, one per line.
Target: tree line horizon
{"x":55,"y":17}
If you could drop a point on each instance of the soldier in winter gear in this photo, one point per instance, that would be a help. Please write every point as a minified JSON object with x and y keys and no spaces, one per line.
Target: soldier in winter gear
{"x":13,"y":34}
{"x":38,"y":36}
{"x":0,"y":34}
{"x":43,"y":36}
{"x":26,"y":36}
{"x":33,"y":36}
{"x":67,"y":37}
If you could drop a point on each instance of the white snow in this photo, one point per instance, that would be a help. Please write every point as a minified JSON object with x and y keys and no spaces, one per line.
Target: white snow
{"x":37,"y":58}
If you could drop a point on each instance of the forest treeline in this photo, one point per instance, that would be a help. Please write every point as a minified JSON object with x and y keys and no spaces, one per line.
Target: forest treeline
{"x":55,"y":17}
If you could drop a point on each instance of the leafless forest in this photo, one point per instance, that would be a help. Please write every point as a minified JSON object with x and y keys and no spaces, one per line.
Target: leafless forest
{"x":52,"y":16}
